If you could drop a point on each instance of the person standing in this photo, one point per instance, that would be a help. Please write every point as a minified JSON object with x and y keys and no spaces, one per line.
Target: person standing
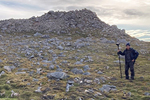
{"x":130,"y":57}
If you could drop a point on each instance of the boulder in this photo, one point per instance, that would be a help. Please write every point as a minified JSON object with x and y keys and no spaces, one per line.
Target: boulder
{"x":57,"y":75}
{"x":87,"y":73}
{"x":39,"y":70}
{"x":37,"y":34}
{"x":51,"y":67}
{"x":78,"y":63}
{"x":108,"y":88}
{"x":77,"y":71}
{"x":99,"y":72}
{"x":50,"y":51}
{"x":60,"y":47}
{"x":9,"y":68}
{"x":103,"y":40}
{"x":86,"y":67}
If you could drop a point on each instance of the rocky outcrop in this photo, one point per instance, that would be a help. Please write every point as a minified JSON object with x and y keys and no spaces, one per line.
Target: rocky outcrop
{"x":75,"y":22}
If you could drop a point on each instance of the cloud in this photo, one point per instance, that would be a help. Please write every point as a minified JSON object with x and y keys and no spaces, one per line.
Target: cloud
{"x":140,"y":34}
{"x":12,"y":12}
{"x":19,"y":5}
{"x":133,"y":12}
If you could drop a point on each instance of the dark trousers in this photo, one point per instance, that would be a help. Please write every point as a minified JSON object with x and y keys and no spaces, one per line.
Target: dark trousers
{"x":131,"y":66}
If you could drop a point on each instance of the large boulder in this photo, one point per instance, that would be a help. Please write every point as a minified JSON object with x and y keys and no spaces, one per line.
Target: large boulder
{"x":57,"y":75}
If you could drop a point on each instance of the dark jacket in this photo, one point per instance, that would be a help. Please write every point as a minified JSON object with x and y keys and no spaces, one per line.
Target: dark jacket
{"x":134,"y":54}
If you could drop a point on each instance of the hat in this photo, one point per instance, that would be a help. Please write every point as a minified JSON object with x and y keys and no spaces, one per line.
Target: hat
{"x":128,"y":44}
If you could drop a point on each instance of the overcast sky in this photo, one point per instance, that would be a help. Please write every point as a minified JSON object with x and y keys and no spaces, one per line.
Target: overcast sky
{"x":131,"y":15}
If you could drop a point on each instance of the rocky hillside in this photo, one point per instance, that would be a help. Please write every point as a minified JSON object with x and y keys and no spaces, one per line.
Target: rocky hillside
{"x":75,"y":22}
{"x":68,"y":56}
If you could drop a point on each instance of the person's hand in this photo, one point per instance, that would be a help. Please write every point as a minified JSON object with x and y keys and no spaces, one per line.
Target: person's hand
{"x":133,"y":60}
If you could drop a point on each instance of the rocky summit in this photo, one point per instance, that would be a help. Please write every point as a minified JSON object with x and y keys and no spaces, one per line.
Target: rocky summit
{"x":68,"y":56}
{"x":79,"y":21}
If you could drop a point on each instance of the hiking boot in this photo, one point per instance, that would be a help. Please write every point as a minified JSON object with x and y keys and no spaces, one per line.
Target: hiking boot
{"x":127,"y":77}
{"x":132,"y":78}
